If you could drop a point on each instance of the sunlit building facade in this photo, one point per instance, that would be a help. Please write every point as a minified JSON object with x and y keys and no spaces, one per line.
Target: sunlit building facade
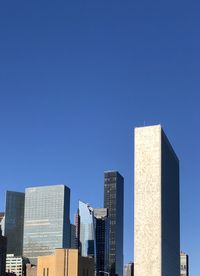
{"x":87,"y":231}
{"x":156,"y":204}
{"x":46,"y":220}
{"x":16,"y":265}
{"x":65,"y":262}
{"x":184,"y":259}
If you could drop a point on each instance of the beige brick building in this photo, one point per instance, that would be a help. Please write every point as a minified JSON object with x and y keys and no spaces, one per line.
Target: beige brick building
{"x":65,"y":262}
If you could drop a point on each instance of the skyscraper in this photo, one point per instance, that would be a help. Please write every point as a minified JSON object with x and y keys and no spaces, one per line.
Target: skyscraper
{"x":87,"y":231}
{"x":114,"y":202}
{"x":156,"y":204}
{"x":77,"y":233}
{"x":102,"y":240}
{"x":14,"y":222}
{"x":184,"y":259}
{"x":46,"y":220}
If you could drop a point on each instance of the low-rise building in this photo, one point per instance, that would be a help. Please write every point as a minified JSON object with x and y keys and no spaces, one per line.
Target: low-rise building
{"x":16,"y":265}
{"x":65,"y":262}
{"x":129,"y":269}
{"x":184,"y":261}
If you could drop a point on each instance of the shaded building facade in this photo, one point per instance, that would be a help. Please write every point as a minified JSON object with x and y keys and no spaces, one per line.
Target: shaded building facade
{"x":77,"y":233}
{"x":46,"y":220}
{"x":114,"y":202}
{"x":102,"y":240}
{"x":3,"y":249}
{"x":156,"y":204}
{"x":14,"y":222}
{"x":73,"y":243}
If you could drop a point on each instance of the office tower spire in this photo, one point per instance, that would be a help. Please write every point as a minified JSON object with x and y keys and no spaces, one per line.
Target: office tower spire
{"x":156,"y":204}
{"x":114,"y":202}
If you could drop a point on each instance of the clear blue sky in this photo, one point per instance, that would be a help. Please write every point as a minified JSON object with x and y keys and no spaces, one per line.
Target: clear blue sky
{"x":77,"y":76}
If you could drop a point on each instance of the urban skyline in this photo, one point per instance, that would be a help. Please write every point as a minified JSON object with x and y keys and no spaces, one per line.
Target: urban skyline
{"x":157,"y":143}
{"x":110,"y":178}
{"x":76,"y":77}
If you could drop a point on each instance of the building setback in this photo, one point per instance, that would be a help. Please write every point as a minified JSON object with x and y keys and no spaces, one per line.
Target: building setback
{"x":14,"y":222}
{"x":156,"y":204}
{"x":46,"y":220}
{"x":114,"y":202}
{"x":65,"y":262}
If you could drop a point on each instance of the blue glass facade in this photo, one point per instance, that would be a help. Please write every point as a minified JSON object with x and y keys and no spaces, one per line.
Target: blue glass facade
{"x":87,"y":230}
{"x":14,"y":222}
{"x":46,"y":220}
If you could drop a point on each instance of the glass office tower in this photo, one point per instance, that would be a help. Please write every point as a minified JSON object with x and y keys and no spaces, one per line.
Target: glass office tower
{"x":114,"y":202}
{"x":46,"y":220}
{"x":87,"y":231}
{"x":14,"y":222}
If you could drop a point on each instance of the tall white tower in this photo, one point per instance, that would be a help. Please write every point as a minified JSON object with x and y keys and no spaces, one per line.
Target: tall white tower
{"x":156,"y":205}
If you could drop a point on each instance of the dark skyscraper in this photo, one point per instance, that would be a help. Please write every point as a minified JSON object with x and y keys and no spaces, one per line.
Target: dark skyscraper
{"x":14,"y":222}
{"x":114,"y":201}
{"x":102,"y":240}
{"x":77,"y":234}
{"x":73,"y":242}
{"x":3,"y":242}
